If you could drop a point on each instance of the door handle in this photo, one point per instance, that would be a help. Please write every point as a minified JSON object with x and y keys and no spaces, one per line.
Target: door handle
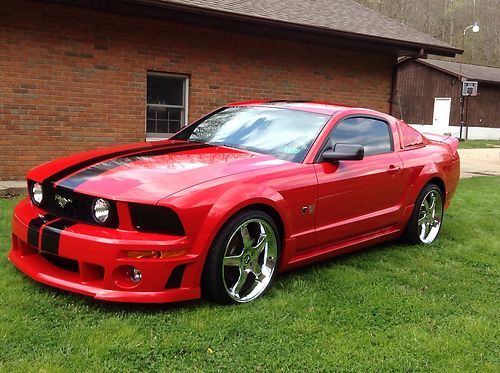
{"x":393,"y":169}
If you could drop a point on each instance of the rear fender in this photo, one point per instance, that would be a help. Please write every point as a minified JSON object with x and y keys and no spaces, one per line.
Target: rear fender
{"x":451,"y":141}
{"x":429,"y":172}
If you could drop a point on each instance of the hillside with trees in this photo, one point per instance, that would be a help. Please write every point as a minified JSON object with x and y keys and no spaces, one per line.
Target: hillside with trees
{"x":447,"y":19}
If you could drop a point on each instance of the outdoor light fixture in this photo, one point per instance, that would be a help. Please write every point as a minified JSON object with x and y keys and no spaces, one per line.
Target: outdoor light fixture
{"x":474,"y":27}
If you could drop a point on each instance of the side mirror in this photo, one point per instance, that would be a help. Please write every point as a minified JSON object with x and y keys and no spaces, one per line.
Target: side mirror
{"x":344,"y":152}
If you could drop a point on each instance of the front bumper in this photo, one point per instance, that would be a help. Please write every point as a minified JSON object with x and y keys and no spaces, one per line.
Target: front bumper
{"x":94,"y":261}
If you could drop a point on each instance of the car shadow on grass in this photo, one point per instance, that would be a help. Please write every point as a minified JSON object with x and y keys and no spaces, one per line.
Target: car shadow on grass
{"x":113,"y":307}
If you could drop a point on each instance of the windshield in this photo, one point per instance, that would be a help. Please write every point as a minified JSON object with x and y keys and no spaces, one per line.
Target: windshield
{"x":285,"y":134}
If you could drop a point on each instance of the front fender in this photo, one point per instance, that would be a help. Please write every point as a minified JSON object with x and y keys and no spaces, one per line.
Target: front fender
{"x":240,"y":197}
{"x":223,"y":202}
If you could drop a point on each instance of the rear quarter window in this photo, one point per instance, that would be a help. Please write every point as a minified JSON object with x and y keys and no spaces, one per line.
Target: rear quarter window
{"x":409,"y":136}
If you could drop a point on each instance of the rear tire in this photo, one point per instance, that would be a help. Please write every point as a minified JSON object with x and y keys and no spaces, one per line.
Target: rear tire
{"x":243,"y":260}
{"x":427,"y":217}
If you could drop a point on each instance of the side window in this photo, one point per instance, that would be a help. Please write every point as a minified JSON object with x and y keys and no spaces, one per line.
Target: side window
{"x":166,"y":104}
{"x":373,"y":134}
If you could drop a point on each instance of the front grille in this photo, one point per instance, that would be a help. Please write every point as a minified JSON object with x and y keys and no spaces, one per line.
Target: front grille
{"x":64,"y":263}
{"x":175,"y":279}
{"x":78,"y":208}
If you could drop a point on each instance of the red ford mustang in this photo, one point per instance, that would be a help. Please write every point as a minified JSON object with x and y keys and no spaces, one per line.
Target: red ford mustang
{"x":250,"y":190}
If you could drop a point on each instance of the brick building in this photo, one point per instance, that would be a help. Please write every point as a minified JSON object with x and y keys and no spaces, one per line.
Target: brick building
{"x":80,"y":74}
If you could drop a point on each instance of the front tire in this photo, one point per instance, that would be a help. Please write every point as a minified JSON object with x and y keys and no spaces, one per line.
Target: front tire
{"x":427,"y":216}
{"x":243,"y":259}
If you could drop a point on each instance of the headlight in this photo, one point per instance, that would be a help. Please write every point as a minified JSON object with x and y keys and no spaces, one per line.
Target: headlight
{"x":37,"y":193}
{"x":101,"y":210}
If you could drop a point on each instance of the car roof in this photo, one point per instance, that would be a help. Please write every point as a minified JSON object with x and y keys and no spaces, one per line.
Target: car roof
{"x":310,"y":106}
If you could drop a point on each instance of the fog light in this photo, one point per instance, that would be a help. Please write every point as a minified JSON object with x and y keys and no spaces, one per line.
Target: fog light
{"x":135,"y":275}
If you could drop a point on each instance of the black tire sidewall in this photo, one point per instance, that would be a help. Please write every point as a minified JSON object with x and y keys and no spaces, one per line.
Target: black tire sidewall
{"x":212,"y":282}
{"x":410,"y":234}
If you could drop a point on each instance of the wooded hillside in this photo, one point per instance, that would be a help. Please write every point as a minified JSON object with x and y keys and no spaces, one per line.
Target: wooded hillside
{"x":447,"y":19}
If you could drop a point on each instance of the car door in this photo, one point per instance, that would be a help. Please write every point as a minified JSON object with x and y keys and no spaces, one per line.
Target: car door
{"x":359,"y":197}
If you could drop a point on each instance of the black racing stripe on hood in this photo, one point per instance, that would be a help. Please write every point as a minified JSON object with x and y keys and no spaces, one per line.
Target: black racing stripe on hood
{"x":89,"y":162}
{"x":51,"y":235}
{"x":79,"y":178}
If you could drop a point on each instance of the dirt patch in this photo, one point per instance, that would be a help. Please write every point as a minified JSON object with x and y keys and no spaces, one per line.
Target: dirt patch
{"x":479,"y":162}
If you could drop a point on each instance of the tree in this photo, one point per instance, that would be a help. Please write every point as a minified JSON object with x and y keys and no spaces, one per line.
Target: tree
{"x":446,"y":20}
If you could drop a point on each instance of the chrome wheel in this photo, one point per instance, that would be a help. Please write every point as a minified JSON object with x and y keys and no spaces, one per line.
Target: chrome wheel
{"x":249,"y":260}
{"x":430,"y":216}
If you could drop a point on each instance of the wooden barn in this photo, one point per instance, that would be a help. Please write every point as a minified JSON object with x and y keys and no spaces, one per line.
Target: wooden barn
{"x":428,"y":92}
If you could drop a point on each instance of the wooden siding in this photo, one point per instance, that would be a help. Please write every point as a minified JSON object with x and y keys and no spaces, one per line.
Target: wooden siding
{"x":418,"y":85}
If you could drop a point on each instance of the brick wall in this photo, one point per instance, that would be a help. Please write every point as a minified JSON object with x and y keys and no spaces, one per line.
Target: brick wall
{"x":74,"y":79}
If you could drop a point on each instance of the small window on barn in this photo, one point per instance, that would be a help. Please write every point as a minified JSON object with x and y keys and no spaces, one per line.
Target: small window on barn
{"x":372,"y":133}
{"x":166,"y":104}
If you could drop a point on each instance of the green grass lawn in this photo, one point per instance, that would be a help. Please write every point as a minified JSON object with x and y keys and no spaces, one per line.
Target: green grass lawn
{"x":392,"y":308}
{"x":474,"y":144}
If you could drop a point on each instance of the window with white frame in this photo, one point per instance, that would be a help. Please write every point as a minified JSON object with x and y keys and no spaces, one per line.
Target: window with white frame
{"x":166,"y":104}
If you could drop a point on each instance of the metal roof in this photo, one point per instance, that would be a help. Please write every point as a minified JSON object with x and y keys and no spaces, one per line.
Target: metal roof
{"x":472,"y":72}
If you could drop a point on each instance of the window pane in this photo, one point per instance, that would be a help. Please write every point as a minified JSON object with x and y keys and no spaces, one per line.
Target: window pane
{"x":162,"y":119}
{"x":162,"y":126}
{"x":174,"y":119}
{"x":371,"y":133}
{"x":165,"y":90}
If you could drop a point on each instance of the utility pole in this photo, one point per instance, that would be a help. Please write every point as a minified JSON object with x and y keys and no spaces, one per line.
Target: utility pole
{"x":451,"y":9}
{"x":475,"y":29}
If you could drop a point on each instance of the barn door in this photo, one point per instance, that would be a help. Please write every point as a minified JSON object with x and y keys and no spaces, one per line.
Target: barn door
{"x":441,"y":117}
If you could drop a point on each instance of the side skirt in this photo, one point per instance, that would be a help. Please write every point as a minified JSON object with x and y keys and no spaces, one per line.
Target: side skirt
{"x":330,"y":251}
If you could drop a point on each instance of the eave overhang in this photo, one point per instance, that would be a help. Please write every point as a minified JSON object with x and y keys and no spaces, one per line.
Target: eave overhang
{"x":259,"y":26}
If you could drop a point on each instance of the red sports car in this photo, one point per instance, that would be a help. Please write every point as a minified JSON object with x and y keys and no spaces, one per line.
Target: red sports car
{"x":250,"y":190}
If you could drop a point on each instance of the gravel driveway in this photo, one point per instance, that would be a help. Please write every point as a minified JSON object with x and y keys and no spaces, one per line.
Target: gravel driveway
{"x":479,"y":162}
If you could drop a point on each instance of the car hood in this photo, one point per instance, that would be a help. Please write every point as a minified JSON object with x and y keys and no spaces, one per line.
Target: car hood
{"x":151,"y":174}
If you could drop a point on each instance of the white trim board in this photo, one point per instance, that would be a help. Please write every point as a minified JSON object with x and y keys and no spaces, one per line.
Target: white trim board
{"x":474,"y":133}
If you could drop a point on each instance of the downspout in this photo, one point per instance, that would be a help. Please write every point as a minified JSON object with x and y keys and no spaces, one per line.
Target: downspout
{"x":395,"y":98}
